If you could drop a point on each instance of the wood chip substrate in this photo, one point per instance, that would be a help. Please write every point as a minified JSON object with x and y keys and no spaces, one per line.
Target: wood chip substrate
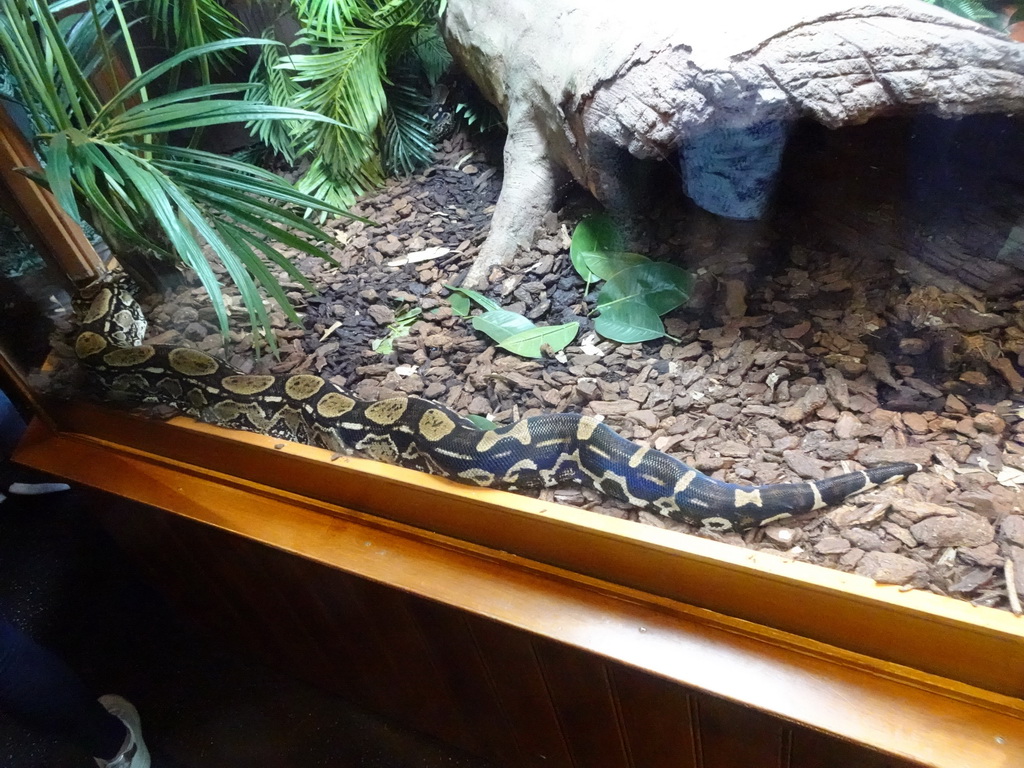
{"x":830,"y":362}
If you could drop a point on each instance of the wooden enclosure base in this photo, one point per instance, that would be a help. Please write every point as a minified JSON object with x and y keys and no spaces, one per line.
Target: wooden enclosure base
{"x":510,"y":658}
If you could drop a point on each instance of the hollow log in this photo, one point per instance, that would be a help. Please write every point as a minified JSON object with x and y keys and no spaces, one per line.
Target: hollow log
{"x":585,"y":85}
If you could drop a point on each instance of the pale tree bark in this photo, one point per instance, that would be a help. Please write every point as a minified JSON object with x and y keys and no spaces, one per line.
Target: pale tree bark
{"x":585,"y":84}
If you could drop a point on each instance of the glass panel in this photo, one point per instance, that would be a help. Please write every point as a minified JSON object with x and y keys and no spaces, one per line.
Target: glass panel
{"x":785,"y":250}
{"x":30,"y":299}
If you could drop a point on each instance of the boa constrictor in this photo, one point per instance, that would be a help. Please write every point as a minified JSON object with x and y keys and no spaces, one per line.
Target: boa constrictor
{"x":541,"y":451}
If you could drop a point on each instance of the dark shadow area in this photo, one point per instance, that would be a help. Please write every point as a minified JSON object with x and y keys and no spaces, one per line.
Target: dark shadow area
{"x":63,"y":580}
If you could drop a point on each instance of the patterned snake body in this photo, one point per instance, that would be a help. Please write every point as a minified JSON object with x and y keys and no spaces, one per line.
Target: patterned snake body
{"x":540,"y":451}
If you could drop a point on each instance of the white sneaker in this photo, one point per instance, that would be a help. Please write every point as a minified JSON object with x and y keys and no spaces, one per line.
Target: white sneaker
{"x":133,"y":752}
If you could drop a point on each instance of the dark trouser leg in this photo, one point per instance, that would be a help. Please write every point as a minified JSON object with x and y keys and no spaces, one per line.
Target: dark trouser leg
{"x":730,"y":171}
{"x":38,"y":688}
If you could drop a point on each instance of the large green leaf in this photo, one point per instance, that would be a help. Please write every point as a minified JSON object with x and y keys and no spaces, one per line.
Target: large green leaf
{"x":629,"y":322}
{"x":479,"y":298}
{"x":594,"y":233}
{"x":659,"y":286}
{"x":460,"y":304}
{"x":633,"y":299}
{"x":530,"y":343}
{"x":607,"y":264}
{"x":501,"y":324}
{"x":480,"y":422}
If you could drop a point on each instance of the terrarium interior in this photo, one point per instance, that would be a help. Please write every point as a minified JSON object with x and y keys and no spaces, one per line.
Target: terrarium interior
{"x":855,"y":301}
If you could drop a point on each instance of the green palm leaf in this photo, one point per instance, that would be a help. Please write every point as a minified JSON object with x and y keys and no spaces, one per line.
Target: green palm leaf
{"x":407,"y":145}
{"x":180,"y":24}
{"x":138,"y":84}
{"x":355,"y":46}
{"x":57,"y":92}
{"x":179,"y":116}
{"x":432,"y":54}
{"x":975,"y":10}
{"x":58,"y":173}
{"x":325,"y":18}
{"x":175,"y":203}
{"x":270,"y":84}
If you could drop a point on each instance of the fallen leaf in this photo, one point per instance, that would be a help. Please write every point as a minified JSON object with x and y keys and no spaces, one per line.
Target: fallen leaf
{"x":334,"y":326}
{"x":434,"y":252}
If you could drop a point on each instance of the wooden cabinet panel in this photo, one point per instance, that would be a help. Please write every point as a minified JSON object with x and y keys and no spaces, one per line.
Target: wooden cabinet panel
{"x":731,"y":736}
{"x":512,"y":697}
{"x":810,"y":749}
{"x":525,"y":664}
{"x":421,"y":689}
{"x":511,"y":663}
{"x":364,"y":673}
{"x":456,"y":651}
{"x":658,"y":719}
{"x":580,"y":692}
{"x":279,"y":603}
{"x":162,"y":545}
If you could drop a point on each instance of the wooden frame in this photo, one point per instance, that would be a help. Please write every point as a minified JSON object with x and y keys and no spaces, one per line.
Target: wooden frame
{"x":914,"y":715}
{"x":843,"y":610}
{"x":59,"y":239}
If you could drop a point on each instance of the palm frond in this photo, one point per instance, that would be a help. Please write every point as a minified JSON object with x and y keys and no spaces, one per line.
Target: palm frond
{"x":269,"y":83}
{"x":137,"y":85}
{"x":327,"y":18}
{"x":181,"y":24}
{"x":975,"y":10}
{"x":50,"y":78}
{"x":319,"y":182}
{"x":169,"y":202}
{"x":345,"y":84}
{"x":431,"y":52}
{"x":406,"y":146}
{"x":355,"y":43}
{"x":80,"y":31}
